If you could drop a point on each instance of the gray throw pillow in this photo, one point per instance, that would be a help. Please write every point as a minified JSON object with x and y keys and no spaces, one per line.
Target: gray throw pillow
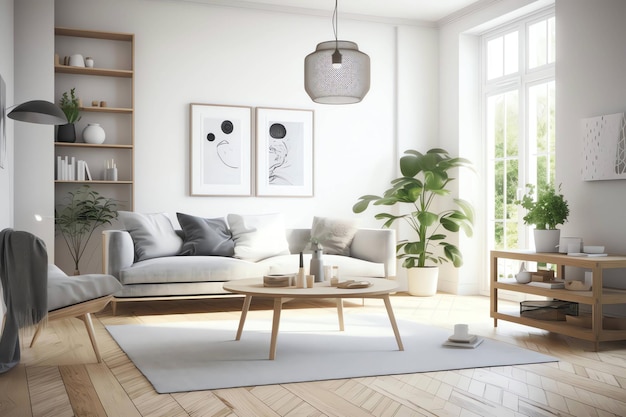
{"x":153,"y":234}
{"x":205,"y":237}
{"x":335,"y":235}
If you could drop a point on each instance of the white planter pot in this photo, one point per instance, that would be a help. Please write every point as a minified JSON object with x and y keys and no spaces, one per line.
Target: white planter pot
{"x":423,"y":281}
{"x":94,"y":134}
{"x":547,"y":240}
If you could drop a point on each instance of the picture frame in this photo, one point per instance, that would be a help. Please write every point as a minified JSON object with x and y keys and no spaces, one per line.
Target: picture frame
{"x":3,"y":124}
{"x":220,"y":150}
{"x":284,"y":152}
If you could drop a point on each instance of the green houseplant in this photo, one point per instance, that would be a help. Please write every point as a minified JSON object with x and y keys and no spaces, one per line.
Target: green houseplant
{"x":546,"y":212}
{"x":70,"y":105}
{"x":83,"y":212}
{"x":423,"y":187}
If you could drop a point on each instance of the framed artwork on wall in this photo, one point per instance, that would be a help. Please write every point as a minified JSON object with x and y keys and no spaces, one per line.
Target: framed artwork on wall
{"x":220,"y":150}
{"x":604,"y":147}
{"x":284,"y":152}
{"x":3,"y":123}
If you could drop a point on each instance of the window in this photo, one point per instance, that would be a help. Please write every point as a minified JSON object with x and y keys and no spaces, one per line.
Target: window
{"x":519,"y":123}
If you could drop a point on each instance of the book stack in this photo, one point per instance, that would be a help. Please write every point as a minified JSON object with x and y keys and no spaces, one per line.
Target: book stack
{"x":471,"y":341}
{"x":70,"y":169}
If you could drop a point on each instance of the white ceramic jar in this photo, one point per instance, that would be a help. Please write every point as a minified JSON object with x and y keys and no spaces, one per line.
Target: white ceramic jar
{"x":94,"y":134}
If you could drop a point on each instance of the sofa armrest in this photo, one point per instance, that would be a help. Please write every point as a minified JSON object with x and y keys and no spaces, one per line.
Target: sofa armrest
{"x":118,"y":251}
{"x":376,"y":245}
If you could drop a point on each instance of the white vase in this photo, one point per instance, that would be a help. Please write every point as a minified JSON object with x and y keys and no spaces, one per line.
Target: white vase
{"x":547,"y":240}
{"x":423,"y":281}
{"x":94,"y":134}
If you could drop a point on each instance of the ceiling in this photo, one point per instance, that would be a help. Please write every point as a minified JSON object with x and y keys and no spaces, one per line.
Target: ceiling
{"x":414,"y":10}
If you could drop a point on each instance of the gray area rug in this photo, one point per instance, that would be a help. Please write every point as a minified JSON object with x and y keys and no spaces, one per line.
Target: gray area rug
{"x":194,"y":356}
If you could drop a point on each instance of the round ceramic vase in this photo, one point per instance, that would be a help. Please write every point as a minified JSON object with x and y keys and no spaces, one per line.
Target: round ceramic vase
{"x":94,"y":134}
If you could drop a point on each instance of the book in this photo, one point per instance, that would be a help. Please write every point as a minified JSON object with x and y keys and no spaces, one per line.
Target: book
{"x":548,"y":284}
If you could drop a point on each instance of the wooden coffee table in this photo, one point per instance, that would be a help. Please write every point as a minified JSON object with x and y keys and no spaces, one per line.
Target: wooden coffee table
{"x":380,"y":288}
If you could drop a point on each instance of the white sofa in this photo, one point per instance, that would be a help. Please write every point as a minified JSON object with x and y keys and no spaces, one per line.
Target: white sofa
{"x":168,"y":274}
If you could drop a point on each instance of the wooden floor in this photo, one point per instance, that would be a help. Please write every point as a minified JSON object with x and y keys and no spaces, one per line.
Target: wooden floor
{"x":59,"y":376}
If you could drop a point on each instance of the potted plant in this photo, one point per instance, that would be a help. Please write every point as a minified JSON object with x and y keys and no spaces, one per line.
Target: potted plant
{"x":70,"y":105}
{"x":423,"y":187}
{"x":546,"y":212}
{"x":84,"y":211}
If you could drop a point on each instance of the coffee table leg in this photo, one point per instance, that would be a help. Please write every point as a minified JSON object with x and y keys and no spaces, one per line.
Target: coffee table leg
{"x":278,"y":305}
{"x":244,"y":313}
{"x":340,"y":313}
{"x":392,"y":319}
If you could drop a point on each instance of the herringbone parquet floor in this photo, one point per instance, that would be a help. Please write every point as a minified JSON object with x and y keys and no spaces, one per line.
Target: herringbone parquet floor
{"x":59,"y":376}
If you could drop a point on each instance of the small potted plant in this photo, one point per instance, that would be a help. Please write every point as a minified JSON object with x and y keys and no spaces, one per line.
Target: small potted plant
{"x":85,"y":210}
{"x":422,"y":187}
{"x":546,"y":212}
{"x":71,"y":107}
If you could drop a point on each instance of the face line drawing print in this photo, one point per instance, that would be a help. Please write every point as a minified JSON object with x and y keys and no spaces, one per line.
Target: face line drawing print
{"x":279,"y":154}
{"x":221,"y":149}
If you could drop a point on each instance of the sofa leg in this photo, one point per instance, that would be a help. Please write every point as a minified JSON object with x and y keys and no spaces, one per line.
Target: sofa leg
{"x":114,"y":306}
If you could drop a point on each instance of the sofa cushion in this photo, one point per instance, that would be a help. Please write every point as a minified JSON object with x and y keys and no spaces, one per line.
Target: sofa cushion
{"x":65,"y":291}
{"x":153,"y":234}
{"x":335,"y":235}
{"x":178,"y":269}
{"x":258,"y":237}
{"x":205,"y":237}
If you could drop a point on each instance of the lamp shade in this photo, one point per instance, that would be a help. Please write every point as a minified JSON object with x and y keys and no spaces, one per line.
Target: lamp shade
{"x":327,"y":84}
{"x":38,"y":111}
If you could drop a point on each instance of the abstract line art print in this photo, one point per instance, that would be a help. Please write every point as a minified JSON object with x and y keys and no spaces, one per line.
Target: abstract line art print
{"x":604,"y":147}
{"x":220,"y":150}
{"x":284,"y":152}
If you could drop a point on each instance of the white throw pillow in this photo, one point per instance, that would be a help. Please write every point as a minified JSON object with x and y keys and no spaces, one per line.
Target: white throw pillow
{"x":258,"y":237}
{"x":335,"y":235}
{"x":153,"y":234}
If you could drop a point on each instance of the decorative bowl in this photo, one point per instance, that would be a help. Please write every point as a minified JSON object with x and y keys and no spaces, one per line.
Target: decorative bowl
{"x":593,"y":249}
{"x":577,"y":286}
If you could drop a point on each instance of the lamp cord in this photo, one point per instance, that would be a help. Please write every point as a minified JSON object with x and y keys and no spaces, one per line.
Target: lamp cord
{"x":335,"y":24}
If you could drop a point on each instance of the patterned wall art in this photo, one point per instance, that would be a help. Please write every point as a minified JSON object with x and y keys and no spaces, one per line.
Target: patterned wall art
{"x":3,"y":124}
{"x":284,"y":152}
{"x":604,"y":147}
{"x":220,"y":150}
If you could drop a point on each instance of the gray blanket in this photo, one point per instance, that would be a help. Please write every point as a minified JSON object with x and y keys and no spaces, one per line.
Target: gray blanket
{"x":24,"y":277}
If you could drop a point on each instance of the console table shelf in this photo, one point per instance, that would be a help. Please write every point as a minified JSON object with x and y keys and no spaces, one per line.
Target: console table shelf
{"x":596,"y":298}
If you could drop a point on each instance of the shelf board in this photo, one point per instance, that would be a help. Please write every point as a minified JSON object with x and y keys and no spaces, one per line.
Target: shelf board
{"x":561,"y":327}
{"x":91,"y":145}
{"x":93,"y":182}
{"x":106,"y":109}
{"x":94,"y":34}
{"x":66,"y":69}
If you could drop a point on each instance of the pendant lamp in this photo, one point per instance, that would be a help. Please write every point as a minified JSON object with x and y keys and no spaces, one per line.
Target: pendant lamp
{"x":337,"y":72}
{"x":38,"y":111}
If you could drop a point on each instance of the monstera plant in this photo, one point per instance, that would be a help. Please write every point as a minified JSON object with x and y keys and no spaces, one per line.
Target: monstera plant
{"x":430,"y":212}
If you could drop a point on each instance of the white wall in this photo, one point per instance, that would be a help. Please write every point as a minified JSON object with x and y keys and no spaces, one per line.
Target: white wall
{"x":6,"y":70}
{"x":189,"y":52}
{"x":591,"y":81}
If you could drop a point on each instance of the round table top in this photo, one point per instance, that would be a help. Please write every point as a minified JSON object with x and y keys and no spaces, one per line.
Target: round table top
{"x":254,"y":286}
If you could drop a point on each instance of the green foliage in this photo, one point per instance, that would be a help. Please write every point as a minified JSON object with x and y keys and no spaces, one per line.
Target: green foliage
{"x":424,"y":182}
{"x":548,"y":211}
{"x":69,"y":105}
{"x":85,"y":210}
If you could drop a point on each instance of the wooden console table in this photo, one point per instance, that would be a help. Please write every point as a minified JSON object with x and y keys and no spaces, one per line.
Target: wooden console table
{"x":596,"y":298}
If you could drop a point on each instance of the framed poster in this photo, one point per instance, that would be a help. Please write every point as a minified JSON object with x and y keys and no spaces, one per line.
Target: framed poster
{"x":220,"y":150}
{"x":604,"y":147}
{"x":284,"y":152}
{"x":3,"y":123}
